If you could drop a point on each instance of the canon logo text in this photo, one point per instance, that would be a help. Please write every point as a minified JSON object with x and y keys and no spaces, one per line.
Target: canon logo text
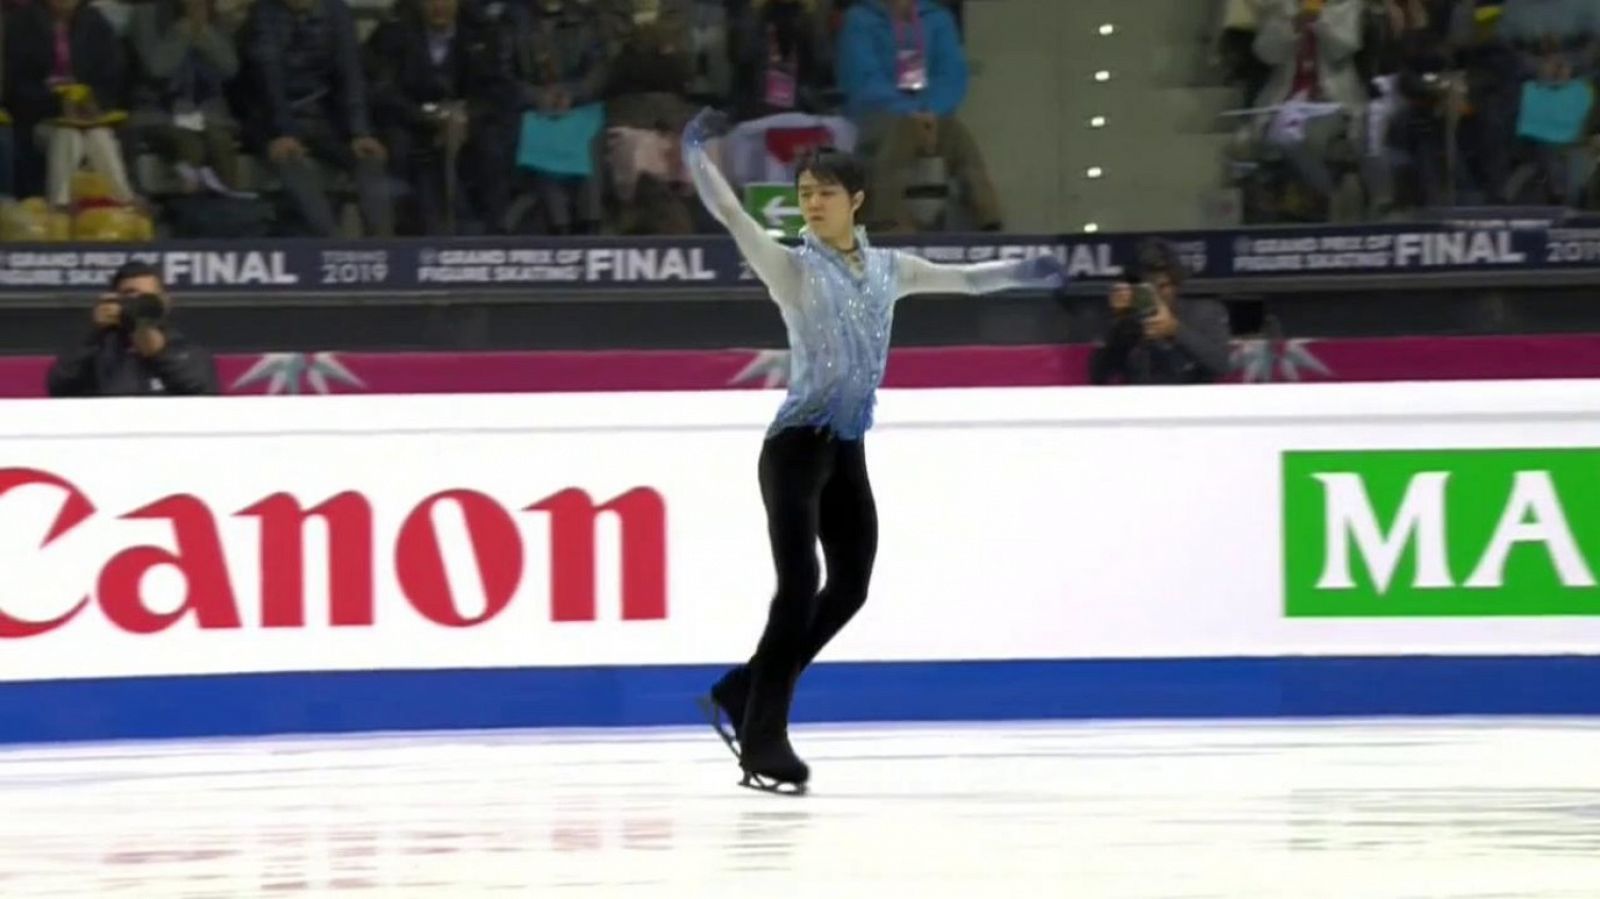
{"x":417,"y":555}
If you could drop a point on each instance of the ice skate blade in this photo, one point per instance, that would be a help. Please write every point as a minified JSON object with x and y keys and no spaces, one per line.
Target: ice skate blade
{"x":761,"y":784}
{"x":713,"y":712}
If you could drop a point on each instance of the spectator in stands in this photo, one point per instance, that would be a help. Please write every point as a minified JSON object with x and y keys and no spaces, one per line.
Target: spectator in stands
{"x":1562,"y":133}
{"x":711,"y":79}
{"x":64,"y":80}
{"x":558,"y":61}
{"x":903,"y":72}
{"x":1554,"y":43}
{"x":1315,"y":88}
{"x":779,"y":64}
{"x":131,"y":348}
{"x":650,"y":43}
{"x":7,"y":152}
{"x":435,"y":81}
{"x":1426,"y":91}
{"x":782,"y":94}
{"x":1488,"y":115}
{"x":647,"y":107}
{"x":693,"y":33}
{"x":1156,"y":335}
{"x":186,"y":60}
{"x":310,"y":104}
{"x":621,"y":20}
{"x":1235,"y":52}
{"x":1542,"y":29}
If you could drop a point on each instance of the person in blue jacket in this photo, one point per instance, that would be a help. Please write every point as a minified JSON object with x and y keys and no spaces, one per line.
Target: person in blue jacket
{"x":903,"y":72}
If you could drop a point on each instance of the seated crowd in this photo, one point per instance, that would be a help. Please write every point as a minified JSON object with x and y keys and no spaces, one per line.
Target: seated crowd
{"x":205,"y":118}
{"x":1363,"y":109}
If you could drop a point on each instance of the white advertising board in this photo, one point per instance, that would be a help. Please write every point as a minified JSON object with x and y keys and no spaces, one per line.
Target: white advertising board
{"x":627,"y":529}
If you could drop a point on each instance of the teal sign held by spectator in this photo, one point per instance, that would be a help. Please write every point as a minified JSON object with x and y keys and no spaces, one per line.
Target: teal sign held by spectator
{"x":1555,"y":113}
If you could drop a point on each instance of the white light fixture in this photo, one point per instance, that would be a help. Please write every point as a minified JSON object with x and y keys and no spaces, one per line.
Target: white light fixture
{"x":1091,"y":228}
{"x":1098,"y":121}
{"x":1107,"y":29}
{"x":1102,"y":75}
{"x":1095,"y":171}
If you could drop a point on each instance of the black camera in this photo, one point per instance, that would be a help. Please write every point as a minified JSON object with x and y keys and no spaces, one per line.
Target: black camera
{"x":1153,"y":257}
{"x":141,"y":310}
{"x":1145,"y":300}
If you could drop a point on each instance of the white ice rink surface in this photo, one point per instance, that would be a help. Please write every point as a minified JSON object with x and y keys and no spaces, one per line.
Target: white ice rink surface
{"x":1434,"y":810}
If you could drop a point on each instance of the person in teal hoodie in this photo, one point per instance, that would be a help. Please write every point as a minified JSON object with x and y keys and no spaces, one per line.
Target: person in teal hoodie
{"x":903,"y":72}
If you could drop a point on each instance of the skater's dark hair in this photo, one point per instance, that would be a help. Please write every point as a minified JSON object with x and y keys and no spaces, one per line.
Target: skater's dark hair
{"x":832,"y":166}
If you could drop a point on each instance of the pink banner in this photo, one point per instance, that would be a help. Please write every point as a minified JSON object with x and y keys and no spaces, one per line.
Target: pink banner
{"x":1389,"y":359}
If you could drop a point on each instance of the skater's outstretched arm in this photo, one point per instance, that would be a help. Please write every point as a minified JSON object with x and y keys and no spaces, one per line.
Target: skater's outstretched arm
{"x":918,"y":275}
{"x":771,"y":261}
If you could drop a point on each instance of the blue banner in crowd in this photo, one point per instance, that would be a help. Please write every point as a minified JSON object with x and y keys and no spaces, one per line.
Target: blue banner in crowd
{"x":556,"y":265}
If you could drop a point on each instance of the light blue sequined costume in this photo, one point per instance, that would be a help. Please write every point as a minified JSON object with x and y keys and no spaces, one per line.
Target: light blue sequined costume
{"x":838,"y":337}
{"x":838,"y":319}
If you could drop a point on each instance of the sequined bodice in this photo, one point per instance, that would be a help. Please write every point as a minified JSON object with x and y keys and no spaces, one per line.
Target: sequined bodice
{"x":839,"y":337}
{"x":838,"y":308}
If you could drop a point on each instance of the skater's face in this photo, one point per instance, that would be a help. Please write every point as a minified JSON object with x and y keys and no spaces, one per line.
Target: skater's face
{"x":829,"y":208}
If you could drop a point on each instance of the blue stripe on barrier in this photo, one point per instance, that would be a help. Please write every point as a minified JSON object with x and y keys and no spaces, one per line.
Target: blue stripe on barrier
{"x":343,"y":702}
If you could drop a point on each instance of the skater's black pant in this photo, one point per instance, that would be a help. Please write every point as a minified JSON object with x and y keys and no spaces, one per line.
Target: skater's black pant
{"x":815,"y":489}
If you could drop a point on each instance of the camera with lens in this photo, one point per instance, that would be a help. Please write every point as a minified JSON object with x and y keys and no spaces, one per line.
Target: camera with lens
{"x":141,"y":310}
{"x":1146,"y":301}
{"x":1154,"y":260}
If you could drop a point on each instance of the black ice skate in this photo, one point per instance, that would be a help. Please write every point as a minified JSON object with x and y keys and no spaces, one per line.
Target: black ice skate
{"x":772,"y":766}
{"x":720,"y":721}
{"x":724,"y":707}
{"x":754,"y":781}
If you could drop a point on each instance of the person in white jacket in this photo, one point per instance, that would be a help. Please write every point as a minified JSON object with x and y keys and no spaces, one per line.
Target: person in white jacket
{"x":1315,"y":86}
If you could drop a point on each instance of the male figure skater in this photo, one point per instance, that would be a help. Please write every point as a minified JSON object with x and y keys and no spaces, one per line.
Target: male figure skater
{"x":836,"y":294}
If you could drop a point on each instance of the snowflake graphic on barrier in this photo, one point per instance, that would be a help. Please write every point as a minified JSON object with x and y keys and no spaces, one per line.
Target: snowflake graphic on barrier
{"x":292,"y":373}
{"x":771,"y":367}
{"x":1276,"y":359}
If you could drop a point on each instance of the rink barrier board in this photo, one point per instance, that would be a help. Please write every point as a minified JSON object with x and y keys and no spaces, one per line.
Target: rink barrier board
{"x":994,"y":596}
{"x":1032,"y":690}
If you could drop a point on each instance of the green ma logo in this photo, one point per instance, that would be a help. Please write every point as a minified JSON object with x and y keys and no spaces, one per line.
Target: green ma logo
{"x":1465,"y":533}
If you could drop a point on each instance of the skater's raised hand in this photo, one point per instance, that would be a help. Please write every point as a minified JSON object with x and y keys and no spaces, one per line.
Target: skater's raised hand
{"x":918,"y":275}
{"x":1047,"y":271}
{"x":707,"y":126}
{"x":768,"y":259}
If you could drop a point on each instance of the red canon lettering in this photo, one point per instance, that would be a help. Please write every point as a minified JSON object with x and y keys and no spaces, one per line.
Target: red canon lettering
{"x":644,"y":554}
{"x":419,"y":558}
{"x":496,"y":549}
{"x":283,"y":596}
{"x":74,"y":510}
{"x":207,"y":591}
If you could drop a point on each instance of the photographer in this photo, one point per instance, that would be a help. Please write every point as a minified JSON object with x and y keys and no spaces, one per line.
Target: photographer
{"x":1155,"y":336}
{"x":132,"y":349}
